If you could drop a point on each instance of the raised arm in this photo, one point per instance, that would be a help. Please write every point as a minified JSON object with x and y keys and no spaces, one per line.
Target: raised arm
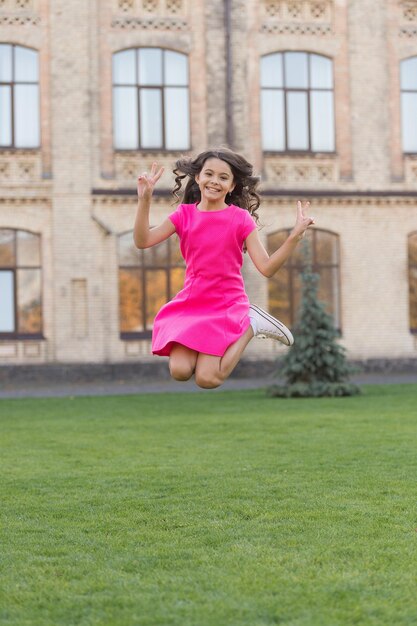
{"x":269,"y":265}
{"x":143,"y":235}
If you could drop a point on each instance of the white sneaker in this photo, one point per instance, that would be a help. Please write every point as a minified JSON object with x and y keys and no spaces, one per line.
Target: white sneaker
{"x":264,"y":325}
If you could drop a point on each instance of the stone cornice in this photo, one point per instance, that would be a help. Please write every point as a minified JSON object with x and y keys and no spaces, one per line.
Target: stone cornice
{"x":123,"y":195}
{"x":25,"y":200}
{"x":119,"y":196}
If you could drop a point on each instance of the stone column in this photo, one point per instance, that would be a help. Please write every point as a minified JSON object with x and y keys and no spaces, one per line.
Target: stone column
{"x":370,"y":95}
{"x":215,"y":40}
{"x":76,"y":238}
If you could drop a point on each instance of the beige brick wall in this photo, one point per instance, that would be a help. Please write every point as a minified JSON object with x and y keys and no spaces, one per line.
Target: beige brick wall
{"x":50,"y":191}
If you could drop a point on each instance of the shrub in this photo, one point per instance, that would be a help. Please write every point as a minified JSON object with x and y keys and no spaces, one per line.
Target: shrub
{"x":316,"y":365}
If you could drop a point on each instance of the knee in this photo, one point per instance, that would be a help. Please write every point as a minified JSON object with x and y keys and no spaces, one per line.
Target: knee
{"x":181,"y":371}
{"x":207,"y":380}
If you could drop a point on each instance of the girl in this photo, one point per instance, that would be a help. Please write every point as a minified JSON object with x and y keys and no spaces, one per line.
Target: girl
{"x":206,"y":327}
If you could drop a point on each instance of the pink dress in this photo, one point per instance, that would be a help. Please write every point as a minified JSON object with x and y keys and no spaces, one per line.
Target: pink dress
{"x":211,"y":311}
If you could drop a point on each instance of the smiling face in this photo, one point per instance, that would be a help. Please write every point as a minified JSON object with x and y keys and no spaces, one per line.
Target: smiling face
{"x":215,"y":180}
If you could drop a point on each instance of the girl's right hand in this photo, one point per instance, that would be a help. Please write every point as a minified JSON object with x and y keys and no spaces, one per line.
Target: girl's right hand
{"x":146,"y":182}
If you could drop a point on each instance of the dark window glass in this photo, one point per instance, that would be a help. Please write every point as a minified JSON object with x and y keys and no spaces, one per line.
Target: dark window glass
{"x":29,"y":301}
{"x":130,"y":300}
{"x":147,"y":280}
{"x":20,"y":284}
{"x":150,"y":100}
{"x":297,"y":103}
{"x":284,"y":289}
{"x":412,"y":280}
{"x":19,"y":97}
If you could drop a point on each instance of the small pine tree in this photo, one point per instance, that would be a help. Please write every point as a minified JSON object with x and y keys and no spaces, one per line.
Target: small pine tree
{"x":316,"y":365}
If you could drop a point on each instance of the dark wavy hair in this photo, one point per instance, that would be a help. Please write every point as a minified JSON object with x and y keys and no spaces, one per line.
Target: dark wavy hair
{"x":243,"y":195}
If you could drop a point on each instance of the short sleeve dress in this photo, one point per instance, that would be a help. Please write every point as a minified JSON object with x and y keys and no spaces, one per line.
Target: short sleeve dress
{"x":211,"y":311}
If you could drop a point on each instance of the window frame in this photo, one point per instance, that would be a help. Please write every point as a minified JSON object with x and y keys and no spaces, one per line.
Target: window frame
{"x":14,"y":270}
{"x":296,"y":268}
{"x":144,"y":268}
{"x":285,"y":90}
{"x":162,"y":86}
{"x":12,"y":147}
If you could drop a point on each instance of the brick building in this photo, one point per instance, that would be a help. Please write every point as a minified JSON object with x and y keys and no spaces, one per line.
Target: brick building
{"x":321,"y":95}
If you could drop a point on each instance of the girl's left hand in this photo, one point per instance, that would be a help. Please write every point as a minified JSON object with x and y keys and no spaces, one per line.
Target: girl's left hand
{"x":303,"y":221}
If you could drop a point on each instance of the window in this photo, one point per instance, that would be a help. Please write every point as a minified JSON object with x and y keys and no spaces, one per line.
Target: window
{"x":284,"y":289}
{"x":20,"y":284}
{"x":412,"y":280}
{"x":297,"y":111}
{"x":147,"y":280}
{"x":19,"y":97}
{"x":150,"y":100}
{"x":408,"y":81}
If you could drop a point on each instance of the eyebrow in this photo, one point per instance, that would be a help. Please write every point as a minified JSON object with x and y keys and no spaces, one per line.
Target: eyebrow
{"x":208,"y":169}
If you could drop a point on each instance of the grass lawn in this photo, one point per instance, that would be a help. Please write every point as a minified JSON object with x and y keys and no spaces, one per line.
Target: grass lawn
{"x":209,"y":510}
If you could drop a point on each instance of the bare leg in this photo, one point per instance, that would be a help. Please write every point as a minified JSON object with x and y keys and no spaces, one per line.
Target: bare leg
{"x":212,"y":371}
{"x":182,"y":362}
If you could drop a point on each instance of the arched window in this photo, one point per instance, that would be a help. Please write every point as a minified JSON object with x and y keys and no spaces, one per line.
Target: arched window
{"x":284,"y":289}
{"x":297,"y":109}
{"x":408,"y":82}
{"x":147,"y":280}
{"x":412,"y":280}
{"x":150,"y":100}
{"x":20,"y":284}
{"x":19,"y":97}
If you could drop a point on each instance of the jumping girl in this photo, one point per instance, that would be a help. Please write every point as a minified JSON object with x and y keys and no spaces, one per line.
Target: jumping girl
{"x":206,"y":327}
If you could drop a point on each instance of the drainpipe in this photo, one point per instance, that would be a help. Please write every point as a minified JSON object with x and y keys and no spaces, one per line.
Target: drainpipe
{"x":230,"y":139}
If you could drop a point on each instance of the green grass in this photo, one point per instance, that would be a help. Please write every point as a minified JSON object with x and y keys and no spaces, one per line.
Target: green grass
{"x":209,"y":509}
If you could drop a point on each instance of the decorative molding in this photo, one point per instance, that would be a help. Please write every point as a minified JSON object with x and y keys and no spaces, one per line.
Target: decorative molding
{"x":18,"y":5}
{"x":17,"y":201}
{"x":408,"y":19}
{"x":151,"y":7}
{"x":279,"y":196}
{"x":300,"y":10}
{"x":288,"y":171}
{"x":410,"y":170}
{"x":8,"y":350}
{"x":128,"y":165}
{"x":19,"y":13}
{"x":21,"y":351}
{"x":115,"y":199}
{"x":157,"y":23}
{"x":409,"y":11}
{"x":296,"y":29}
{"x":408,"y":32}
{"x":151,"y":15}
{"x":19,"y":20}
{"x":175,"y":6}
{"x":18,"y":167}
{"x":376,"y":199}
{"x":297,"y":17}
{"x":126,"y":6}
